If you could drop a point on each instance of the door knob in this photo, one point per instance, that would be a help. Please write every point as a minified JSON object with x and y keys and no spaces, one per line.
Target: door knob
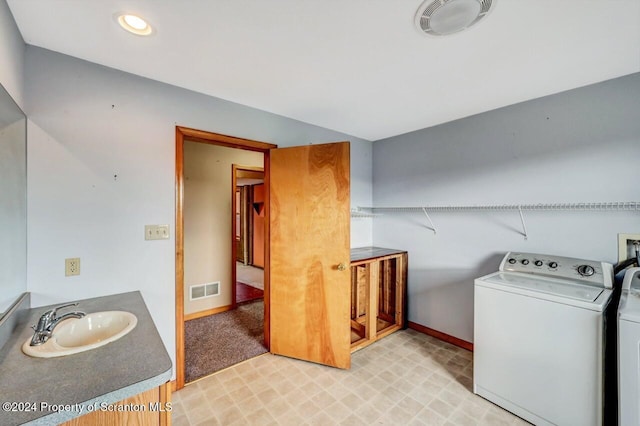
{"x":341,"y":267}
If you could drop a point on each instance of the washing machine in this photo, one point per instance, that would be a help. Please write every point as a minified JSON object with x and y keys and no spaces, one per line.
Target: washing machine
{"x":538,"y":337}
{"x":629,"y":349}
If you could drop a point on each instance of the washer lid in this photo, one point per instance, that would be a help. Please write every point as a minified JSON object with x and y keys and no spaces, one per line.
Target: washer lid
{"x":629,"y":309}
{"x":552,"y":286}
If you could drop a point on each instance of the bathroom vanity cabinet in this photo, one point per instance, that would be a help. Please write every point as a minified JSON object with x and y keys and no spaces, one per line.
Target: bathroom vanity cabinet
{"x":378,"y":294}
{"x":149,"y":408}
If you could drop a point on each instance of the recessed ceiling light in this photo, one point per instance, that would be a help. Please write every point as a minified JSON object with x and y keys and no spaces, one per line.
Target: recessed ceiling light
{"x":134,"y":24}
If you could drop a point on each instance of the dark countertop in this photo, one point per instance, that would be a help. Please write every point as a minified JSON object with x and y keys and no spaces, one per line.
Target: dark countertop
{"x":128,"y":366}
{"x":365,"y":253}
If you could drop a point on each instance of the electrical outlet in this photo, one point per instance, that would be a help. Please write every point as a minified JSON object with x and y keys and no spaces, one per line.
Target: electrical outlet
{"x":156,"y":232}
{"x":626,"y":248}
{"x":72,"y":266}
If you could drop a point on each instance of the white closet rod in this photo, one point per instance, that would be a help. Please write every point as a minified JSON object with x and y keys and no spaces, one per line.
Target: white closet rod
{"x":615,"y":206}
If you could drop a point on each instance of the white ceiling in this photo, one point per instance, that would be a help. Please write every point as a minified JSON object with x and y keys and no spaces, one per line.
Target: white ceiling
{"x":356,"y":66}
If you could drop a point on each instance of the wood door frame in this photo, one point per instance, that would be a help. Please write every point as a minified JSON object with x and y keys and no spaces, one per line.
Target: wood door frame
{"x":235,"y":168}
{"x":237,"y":199}
{"x":194,"y":135}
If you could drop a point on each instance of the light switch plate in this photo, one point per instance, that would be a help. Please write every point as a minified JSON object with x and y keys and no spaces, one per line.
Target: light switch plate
{"x":156,"y":232}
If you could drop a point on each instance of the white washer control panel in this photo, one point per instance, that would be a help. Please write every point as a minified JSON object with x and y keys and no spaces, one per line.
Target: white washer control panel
{"x":587,"y":271}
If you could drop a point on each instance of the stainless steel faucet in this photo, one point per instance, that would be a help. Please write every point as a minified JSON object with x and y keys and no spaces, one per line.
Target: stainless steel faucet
{"x":49,"y":320}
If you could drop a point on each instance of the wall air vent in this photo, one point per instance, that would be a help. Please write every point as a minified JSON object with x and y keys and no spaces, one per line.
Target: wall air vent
{"x":443,"y":17}
{"x":201,"y":291}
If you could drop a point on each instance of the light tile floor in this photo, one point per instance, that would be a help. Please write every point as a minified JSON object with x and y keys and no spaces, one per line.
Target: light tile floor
{"x":407,"y":378}
{"x":250,"y":275}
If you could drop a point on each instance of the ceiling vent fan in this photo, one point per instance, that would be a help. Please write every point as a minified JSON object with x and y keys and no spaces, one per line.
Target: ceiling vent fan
{"x":444,"y":17}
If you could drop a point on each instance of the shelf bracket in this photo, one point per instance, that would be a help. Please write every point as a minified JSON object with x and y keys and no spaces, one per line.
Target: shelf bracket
{"x":524,"y":226}
{"x":433,"y":227}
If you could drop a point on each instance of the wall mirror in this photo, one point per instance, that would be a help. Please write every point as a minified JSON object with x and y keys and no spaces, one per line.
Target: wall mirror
{"x":13,"y":201}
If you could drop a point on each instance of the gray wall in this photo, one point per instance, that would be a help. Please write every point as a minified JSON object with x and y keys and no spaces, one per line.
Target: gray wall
{"x":578,"y":146}
{"x":102,"y":165}
{"x":11,"y":55}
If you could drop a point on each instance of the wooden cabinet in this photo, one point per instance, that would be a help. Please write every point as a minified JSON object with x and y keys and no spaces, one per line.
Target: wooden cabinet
{"x":149,"y":408}
{"x":378,"y":294}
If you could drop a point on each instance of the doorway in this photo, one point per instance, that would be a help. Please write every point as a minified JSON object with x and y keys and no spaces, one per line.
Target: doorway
{"x":307,"y":295}
{"x":248,"y":236}
{"x":192,"y":135}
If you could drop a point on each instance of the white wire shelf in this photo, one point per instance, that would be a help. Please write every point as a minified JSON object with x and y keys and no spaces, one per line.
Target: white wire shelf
{"x":359,"y":213}
{"x":608,"y":206}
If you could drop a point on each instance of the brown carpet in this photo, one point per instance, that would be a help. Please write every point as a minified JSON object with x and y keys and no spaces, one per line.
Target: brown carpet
{"x":219,"y":341}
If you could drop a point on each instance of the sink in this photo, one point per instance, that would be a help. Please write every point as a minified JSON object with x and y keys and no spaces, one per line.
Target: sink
{"x":76,"y":335}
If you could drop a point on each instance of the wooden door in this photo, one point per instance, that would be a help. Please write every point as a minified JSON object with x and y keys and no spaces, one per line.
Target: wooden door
{"x":309,"y":253}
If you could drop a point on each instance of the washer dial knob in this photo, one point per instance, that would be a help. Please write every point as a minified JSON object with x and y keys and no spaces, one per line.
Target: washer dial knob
{"x":538,"y":262}
{"x":525,"y":261}
{"x":586,"y":270}
{"x":512,"y":261}
{"x":553,"y":265}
